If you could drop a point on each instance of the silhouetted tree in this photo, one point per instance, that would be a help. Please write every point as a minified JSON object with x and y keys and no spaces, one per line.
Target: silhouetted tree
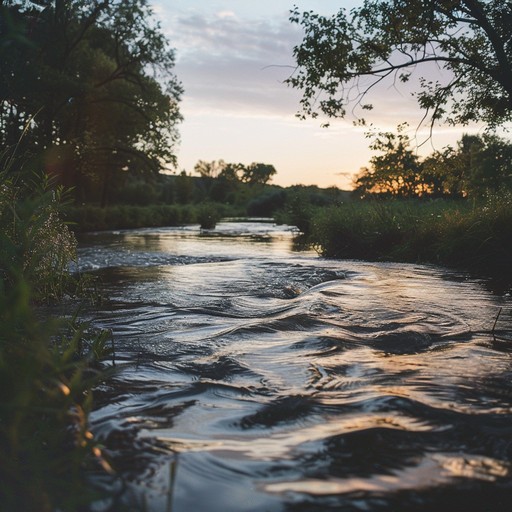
{"x":477,"y":165}
{"x":396,"y":171}
{"x":258,"y":173}
{"x":209,"y":169}
{"x":342,"y":57}
{"x":91,"y":84}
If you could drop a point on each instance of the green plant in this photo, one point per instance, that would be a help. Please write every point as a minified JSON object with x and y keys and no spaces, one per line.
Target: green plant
{"x":48,"y":365}
{"x":208,"y":216}
{"x":33,"y":238}
{"x":474,"y":235}
{"x":47,"y":371}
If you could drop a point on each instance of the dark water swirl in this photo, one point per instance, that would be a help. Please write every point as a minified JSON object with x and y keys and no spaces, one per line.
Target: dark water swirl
{"x":255,"y":378}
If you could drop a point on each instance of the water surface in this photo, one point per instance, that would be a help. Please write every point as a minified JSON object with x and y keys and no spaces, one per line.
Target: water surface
{"x":252,"y":377}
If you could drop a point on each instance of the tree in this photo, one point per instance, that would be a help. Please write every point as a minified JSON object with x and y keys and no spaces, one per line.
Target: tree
{"x":395,"y":172}
{"x":90,"y":85}
{"x":443,"y":174}
{"x":478,"y":164}
{"x":492,"y":168}
{"x":258,"y":173}
{"x":184,"y":188}
{"x":232,"y":172}
{"x":209,"y":169}
{"x":227,"y":184}
{"x":342,"y":57}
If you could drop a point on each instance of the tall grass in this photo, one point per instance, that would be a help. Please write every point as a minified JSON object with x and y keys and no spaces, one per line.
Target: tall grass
{"x":34,"y":240}
{"x":48,"y":366}
{"x":93,"y":218}
{"x":467,"y":234}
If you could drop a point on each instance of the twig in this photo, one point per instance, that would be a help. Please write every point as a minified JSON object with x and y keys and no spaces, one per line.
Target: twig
{"x":496,"y":321}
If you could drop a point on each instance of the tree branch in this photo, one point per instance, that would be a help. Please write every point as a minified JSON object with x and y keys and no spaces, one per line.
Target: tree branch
{"x":496,"y":41}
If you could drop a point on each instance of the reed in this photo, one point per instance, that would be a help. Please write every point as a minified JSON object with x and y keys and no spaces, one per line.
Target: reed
{"x":476,"y":235}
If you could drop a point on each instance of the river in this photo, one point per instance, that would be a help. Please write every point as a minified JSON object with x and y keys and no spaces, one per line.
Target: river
{"x":252,"y":376}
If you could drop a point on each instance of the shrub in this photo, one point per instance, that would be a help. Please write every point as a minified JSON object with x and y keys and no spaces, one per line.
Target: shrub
{"x":266,"y":204}
{"x":208,"y":215}
{"x":94,"y":218}
{"x":47,"y":366}
{"x":35,"y":243}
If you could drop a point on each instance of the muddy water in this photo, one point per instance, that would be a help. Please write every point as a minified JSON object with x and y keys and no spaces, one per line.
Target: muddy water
{"x":252,"y":377}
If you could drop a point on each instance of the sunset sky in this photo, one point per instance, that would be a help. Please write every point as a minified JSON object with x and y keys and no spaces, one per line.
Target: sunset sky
{"x":232,"y":59}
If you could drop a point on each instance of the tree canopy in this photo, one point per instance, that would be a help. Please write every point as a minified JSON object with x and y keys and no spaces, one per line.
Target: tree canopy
{"x":253,"y":174}
{"x":479,"y":164}
{"x":258,"y":173}
{"x":90,"y":86}
{"x":396,"y":171}
{"x":344,"y":56}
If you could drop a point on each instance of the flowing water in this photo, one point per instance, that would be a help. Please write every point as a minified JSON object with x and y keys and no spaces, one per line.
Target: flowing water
{"x":255,"y":377}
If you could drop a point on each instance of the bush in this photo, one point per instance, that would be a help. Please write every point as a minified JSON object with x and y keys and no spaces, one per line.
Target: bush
{"x":47,"y":366}
{"x":208,"y":215}
{"x":266,"y":204}
{"x":47,"y":371}
{"x":94,"y":218}
{"x":35,"y":243}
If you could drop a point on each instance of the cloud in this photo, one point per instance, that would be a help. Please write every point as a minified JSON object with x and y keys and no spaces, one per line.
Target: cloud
{"x":229,"y":64}
{"x":226,"y":14}
{"x":197,"y":34}
{"x":237,"y":66}
{"x":233,"y":57}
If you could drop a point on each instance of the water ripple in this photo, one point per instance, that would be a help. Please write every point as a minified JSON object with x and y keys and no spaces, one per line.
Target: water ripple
{"x":253,"y":378}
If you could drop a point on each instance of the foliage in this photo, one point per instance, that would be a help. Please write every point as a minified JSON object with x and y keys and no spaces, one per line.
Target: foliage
{"x":209,"y":169}
{"x":473,"y":235}
{"x":137,"y":192}
{"x":303,"y":203}
{"x":258,"y":173}
{"x":94,"y":218}
{"x":287,"y":205}
{"x":227,"y":182}
{"x":344,"y":56}
{"x":477,"y":166}
{"x":46,"y":377}
{"x":90,"y":83}
{"x":396,"y":171}
{"x":33,"y":239}
{"x":208,"y":216}
{"x":266,"y":204}
{"x":480,"y":164}
{"x":48,"y":366}
{"x":253,"y":174}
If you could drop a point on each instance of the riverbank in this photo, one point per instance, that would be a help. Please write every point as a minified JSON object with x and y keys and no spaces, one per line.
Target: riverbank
{"x":252,"y":201}
{"x":470,"y":235}
{"x":94,"y":218}
{"x":49,"y":363}
{"x":465,"y":234}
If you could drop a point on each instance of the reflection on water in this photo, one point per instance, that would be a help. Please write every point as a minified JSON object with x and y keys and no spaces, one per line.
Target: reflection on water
{"x":257,"y":378}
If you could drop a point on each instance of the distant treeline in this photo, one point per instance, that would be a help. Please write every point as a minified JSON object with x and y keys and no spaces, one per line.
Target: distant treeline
{"x":478,"y":165}
{"x":452,"y":208}
{"x":171,"y":200}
